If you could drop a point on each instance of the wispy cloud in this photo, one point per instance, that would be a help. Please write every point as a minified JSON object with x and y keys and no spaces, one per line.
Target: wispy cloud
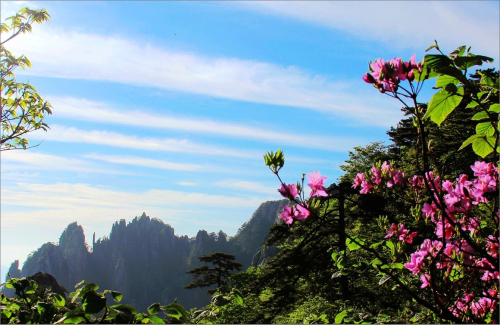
{"x":70,"y":134}
{"x":83,"y":109}
{"x":146,"y":162}
{"x":96,"y":206}
{"x":15,"y":161}
{"x":187,"y":183}
{"x":10,"y":8}
{"x":409,"y":24}
{"x":70,"y":54}
{"x":248,"y":186}
{"x":61,"y":195}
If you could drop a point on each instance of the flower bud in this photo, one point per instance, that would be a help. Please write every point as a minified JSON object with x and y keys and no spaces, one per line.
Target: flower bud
{"x":368,"y":78}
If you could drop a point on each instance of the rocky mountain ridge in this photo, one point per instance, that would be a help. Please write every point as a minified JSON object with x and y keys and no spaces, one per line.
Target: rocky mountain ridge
{"x":145,"y":260}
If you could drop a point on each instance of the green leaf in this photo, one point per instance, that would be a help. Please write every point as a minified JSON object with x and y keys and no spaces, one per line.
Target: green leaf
{"x":353,"y":246}
{"x":334,"y":256}
{"x":153,"y":320}
{"x":459,"y":51}
{"x":74,"y":320}
{"x":117,"y":296}
{"x":453,"y":72}
{"x":175,"y":310}
{"x":154,"y":308}
{"x":341,"y":263}
{"x":239,"y":296}
{"x":376,"y":244}
{"x":483,"y":146}
{"x":340,"y":317}
{"x":376,"y":262}
{"x":465,"y":62}
{"x":470,"y":140}
{"x":482,"y":128}
{"x":126,"y":308}
{"x":397,"y":266}
{"x":93,"y":302}
{"x":495,"y":108}
{"x":437,"y":61}
{"x":389,"y":244}
{"x":445,"y":80}
{"x":480,"y":116}
{"x":58,"y":300}
{"x":442,"y":104}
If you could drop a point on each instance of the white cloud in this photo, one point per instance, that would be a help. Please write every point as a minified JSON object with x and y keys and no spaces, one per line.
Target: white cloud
{"x":248,"y":186}
{"x":10,"y":8}
{"x":146,"y":162}
{"x":71,"y":134}
{"x":407,"y":24}
{"x":16,"y":160}
{"x":187,"y":183}
{"x":83,"y":109}
{"x":54,"y":206}
{"x":65,"y":195}
{"x":70,"y":54}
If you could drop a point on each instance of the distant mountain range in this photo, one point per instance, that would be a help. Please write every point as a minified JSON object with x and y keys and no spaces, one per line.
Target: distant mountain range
{"x":145,"y":260}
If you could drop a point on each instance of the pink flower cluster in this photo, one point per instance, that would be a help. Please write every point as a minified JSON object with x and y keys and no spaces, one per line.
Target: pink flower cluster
{"x":401,"y":233}
{"x":459,"y":199}
{"x":385,"y":174}
{"x":292,"y":213}
{"x":480,"y":308}
{"x":386,"y":76}
{"x":290,"y":191}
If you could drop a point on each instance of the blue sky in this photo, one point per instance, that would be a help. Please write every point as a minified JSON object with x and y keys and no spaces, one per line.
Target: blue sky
{"x":167,"y":107}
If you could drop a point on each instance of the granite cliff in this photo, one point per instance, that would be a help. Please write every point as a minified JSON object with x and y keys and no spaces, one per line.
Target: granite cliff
{"x":145,"y":259}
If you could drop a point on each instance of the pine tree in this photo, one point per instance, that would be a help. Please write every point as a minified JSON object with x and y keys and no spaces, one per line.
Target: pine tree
{"x":205,"y":276}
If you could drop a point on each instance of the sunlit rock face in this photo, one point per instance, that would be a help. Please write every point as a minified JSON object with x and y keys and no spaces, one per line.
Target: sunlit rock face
{"x":145,"y":260}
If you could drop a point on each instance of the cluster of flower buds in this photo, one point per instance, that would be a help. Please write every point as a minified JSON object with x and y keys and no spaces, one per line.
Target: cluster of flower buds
{"x":386,"y":76}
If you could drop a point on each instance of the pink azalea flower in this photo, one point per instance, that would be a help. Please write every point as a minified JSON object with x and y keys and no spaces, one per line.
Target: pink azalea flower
{"x":385,"y":167}
{"x":287,"y":215}
{"x":316,"y":183}
{"x":482,"y":168}
{"x":408,"y":238}
{"x":416,"y":262}
{"x":289,"y":191}
{"x":398,"y":72}
{"x":429,"y":210}
{"x":449,"y":229}
{"x":398,"y":178}
{"x":434,"y":183}
{"x":377,"y":175}
{"x":492,"y":246}
{"x":366,"y":187}
{"x":301,"y":212}
{"x":416,"y":182}
{"x":425,"y":278}
{"x":391,"y":231}
{"x":378,"y":67}
{"x":360,"y":177}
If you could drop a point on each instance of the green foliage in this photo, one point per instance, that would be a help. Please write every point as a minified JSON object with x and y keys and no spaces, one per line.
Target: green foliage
{"x":23,"y":109}
{"x":274,"y":161}
{"x":451,"y":71}
{"x":35,"y":304}
{"x":205,"y":276}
